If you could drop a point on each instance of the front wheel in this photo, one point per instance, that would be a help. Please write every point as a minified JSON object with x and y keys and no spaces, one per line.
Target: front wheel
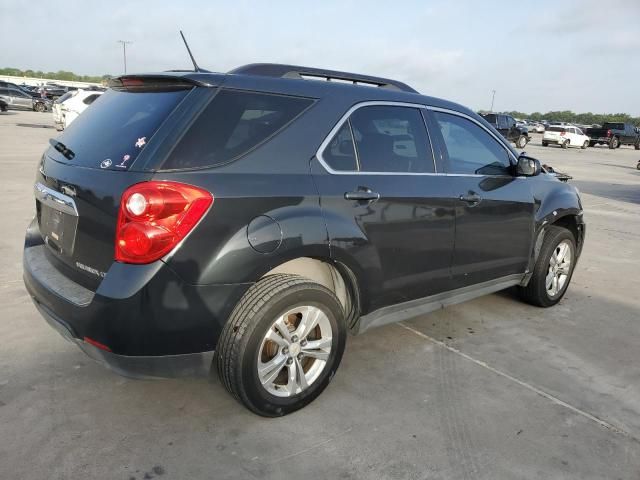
{"x":39,"y":107}
{"x":282,"y":344}
{"x":521,"y":142}
{"x":553,"y":269}
{"x":585,"y":144}
{"x":637,"y":146}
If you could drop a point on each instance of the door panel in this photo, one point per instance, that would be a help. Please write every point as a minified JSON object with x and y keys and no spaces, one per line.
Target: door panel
{"x":493,"y":209}
{"x":386,"y":210}
{"x":493,"y":236}
{"x":403,"y":241}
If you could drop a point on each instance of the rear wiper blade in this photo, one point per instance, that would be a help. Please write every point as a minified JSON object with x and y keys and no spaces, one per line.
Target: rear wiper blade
{"x":62,"y":148}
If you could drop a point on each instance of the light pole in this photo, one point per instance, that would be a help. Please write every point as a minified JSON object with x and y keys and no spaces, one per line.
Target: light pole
{"x":493,"y":97}
{"x":124,"y":52}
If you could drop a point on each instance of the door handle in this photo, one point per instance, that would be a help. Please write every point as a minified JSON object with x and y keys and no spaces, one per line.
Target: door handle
{"x":363,"y":194}
{"x":471,"y":198}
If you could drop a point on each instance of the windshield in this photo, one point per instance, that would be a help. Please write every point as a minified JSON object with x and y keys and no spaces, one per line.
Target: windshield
{"x":112,"y":132}
{"x":556,"y":129}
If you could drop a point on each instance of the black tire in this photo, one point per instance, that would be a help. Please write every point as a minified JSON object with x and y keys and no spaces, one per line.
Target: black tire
{"x":614,"y":143}
{"x":535,"y":292}
{"x":565,"y":144}
{"x":39,"y":107}
{"x":545,"y":144}
{"x":592,"y":144}
{"x":241,"y":339}
{"x":637,"y":146}
{"x":638,"y":166}
{"x":522,"y":141}
{"x":585,"y":145}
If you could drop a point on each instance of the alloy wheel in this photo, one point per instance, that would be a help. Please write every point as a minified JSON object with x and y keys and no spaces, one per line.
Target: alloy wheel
{"x":294,"y":351}
{"x":559,"y":269}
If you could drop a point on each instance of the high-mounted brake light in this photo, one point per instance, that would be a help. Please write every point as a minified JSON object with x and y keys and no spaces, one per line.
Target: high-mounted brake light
{"x":608,"y":133}
{"x":155,"y":216}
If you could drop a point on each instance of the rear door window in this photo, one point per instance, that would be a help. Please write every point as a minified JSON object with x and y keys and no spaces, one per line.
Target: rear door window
{"x":234,"y":123}
{"x":391,"y":139}
{"x":116,"y":129}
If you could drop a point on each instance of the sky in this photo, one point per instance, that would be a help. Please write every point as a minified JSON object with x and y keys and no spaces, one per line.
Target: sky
{"x":538,"y":55}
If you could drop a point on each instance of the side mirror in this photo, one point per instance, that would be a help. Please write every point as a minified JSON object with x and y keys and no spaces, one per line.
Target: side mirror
{"x":528,"y":167}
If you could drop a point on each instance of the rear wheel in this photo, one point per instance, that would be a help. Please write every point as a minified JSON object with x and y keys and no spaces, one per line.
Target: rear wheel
{"x":585,"y":144}
{"x":565,"y":144}
{"x":39,"y":107}
{"x":637,"y":146}
{"x":521,"y":142}
{"x":592,"y":144}
{"x":553,"y":269}
{"x":545,"y":144}
{"x":614,"y":143}
{"x":282,"y":344}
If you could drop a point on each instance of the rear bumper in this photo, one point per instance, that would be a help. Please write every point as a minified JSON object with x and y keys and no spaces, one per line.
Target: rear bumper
{"x":153,"y":323}
{"x":141,"y":367}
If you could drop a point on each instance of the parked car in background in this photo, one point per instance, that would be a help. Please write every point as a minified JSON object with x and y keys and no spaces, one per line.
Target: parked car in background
{"x":565,"y":136}
{"x":536,"y":127}
{"x":67,"y":108}
{"x":615,"y":134}
{"x":259,"y":216}
{"x":16,"y":98}
{"x":22,"y":88}
{"x":506,"y":125}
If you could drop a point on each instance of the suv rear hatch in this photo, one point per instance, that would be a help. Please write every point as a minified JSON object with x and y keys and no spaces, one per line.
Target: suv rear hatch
{"x":86,"y":169}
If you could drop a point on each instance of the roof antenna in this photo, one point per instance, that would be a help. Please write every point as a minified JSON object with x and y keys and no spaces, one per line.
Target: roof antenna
{"x":196,"y":68}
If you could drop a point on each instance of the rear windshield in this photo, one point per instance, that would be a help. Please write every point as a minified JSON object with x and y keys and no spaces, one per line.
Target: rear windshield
{"x":556,"y":129}
{"x":231,"y":125}
{"x":111,"y":133}
{"x":65,"y":97}
{"x":490,"y":118}
{"x":615,"y":126}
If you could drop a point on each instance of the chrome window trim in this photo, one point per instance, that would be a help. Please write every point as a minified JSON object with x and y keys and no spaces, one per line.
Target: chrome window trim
{"x":346,"y":117}
{"x":55,"y":200}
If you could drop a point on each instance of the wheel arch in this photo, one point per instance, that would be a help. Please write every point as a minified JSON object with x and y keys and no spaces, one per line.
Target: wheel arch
{"x":335,"y":276}
{"x":571,"y":220}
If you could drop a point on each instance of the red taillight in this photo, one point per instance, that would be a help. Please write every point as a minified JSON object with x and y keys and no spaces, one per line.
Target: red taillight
{"x":155,"y":216}
{"x":608,"y":133}
{"x":562,"y":134}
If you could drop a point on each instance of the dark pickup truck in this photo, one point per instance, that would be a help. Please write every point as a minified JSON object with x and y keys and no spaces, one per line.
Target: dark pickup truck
{"x":506,"y":125}
{"x":615,"y":134}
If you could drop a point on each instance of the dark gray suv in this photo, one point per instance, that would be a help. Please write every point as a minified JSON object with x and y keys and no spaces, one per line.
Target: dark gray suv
{"x":250,"y":220}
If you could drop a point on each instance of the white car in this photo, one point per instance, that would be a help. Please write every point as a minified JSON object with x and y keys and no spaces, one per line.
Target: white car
{"x":536,"y":127}
{"x":70,"y":105}
{"x":566,"y":136}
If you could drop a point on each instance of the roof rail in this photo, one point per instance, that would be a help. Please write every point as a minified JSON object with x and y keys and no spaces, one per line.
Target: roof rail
{"x":294,"y":71}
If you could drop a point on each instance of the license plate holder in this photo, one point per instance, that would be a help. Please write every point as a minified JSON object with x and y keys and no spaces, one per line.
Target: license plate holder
{"x":58,"y":228}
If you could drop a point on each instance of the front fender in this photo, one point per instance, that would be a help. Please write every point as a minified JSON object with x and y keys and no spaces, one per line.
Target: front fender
{"x":557,"y":202}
